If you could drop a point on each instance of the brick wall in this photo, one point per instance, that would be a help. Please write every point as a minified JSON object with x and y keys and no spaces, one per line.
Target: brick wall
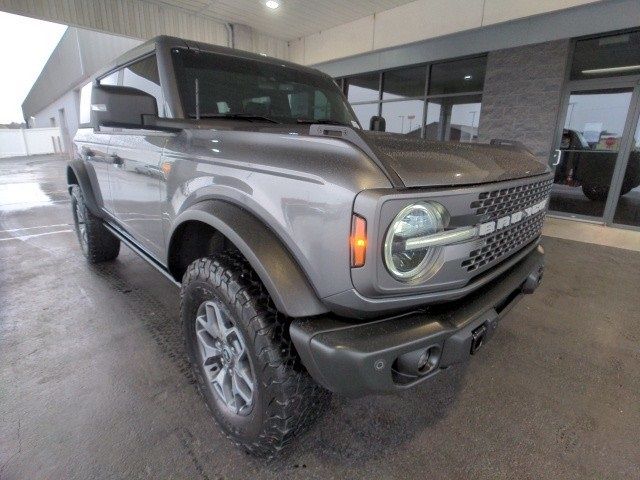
{"x":522,"y":91}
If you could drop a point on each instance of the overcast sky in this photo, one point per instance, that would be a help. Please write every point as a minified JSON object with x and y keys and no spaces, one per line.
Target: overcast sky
{"x":26,"y":46}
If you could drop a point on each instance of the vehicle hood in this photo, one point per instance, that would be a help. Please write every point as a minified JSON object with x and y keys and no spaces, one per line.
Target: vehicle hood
{"x":423,"y":163}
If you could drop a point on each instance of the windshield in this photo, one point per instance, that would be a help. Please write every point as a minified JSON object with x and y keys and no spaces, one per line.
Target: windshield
{"x":242,"y":88}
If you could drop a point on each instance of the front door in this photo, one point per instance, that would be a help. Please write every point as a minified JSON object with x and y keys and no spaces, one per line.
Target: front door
{"x":591,"y":150}
{"x":134,"y":180}
{"x":626,"y":204}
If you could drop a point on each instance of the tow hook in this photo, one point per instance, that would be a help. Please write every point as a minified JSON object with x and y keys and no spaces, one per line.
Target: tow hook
{"x":477,"y":338}
{"x":533,"y":281}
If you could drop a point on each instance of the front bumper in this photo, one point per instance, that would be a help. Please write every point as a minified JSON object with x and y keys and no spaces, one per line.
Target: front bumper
{"x":384,"y":355}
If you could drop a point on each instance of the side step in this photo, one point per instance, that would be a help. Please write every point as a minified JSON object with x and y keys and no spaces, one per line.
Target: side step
{"x":124,"y":238}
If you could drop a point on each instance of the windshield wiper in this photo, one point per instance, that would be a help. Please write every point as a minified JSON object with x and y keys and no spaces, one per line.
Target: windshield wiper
{"x":322,"y":121}
{"x":237,"y":116}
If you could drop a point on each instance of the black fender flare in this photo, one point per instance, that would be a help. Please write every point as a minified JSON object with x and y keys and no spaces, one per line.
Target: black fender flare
{"x":282,"y":276}
{"x":78,"y":170}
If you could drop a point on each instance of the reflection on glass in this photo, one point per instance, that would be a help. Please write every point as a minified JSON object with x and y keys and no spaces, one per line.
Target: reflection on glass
{"x":111,"y":79}
{"x":453,"y":118}
{"x":365,"y":112}
{"x":143,"y":75}
{"x":404,"y":83}
{"x":458,"y":76}
{"x":85,"y":103}
{"x":363,"y":88}
{"x":590,"y":143}
{"x":628,"y":208}
{"x":404,"y":116}
{"x":608,"y":56}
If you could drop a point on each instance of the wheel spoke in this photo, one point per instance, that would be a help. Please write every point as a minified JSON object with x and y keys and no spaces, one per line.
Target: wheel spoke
{"x":223,"y":357}
{"x":208,"y":346}
{"x":223,"y":384}
{"x":235,"y":340}
{"x":214,"y":318}
{"x":205,"y":322}
{"x":243,"y":385}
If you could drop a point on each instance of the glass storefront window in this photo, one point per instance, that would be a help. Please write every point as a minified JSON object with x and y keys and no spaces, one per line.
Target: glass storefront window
{"x":404,"y":83}
{"x":453,"y":118}
{"x":363,"y":88}
{"x":628,"y":208}
{"x":609,"y":56}
{"x":589,"y":148}
{"x":403,"y":116}
{"x":458,"y":76}
{"x":364,"y":112}
{"x":453,"y":109}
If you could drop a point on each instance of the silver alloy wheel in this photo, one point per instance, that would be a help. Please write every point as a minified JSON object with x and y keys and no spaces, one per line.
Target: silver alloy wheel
{"x":82,"y":225}
{"x":224,"y":358}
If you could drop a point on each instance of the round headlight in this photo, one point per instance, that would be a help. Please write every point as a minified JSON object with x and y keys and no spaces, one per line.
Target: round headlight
{"x":413,"y":221}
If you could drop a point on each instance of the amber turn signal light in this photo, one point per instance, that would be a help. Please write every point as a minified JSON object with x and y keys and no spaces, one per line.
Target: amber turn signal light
{"x":358,"y":241}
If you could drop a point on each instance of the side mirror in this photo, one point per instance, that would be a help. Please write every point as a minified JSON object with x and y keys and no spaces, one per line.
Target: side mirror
{"x":113,"y":106}
{"x":378,"y":123}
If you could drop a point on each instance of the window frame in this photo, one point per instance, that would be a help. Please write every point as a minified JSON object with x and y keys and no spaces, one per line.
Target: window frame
{"x":120,"y":70}
{"x":576,"y":40}
{"x":568,"y":86}
{"x":425,"y":97}
{"x":160,"y":102}
{"x":330,"y":81}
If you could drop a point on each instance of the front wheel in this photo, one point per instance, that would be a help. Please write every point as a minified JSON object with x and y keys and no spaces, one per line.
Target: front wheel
{"x":98,"y":244}
{"x":242,"y":356}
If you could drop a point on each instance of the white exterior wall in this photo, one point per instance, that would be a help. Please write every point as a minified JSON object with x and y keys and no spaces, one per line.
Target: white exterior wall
{"x":70,"y":102}
{"x":35,"y":141}
{"x":78,"y":55}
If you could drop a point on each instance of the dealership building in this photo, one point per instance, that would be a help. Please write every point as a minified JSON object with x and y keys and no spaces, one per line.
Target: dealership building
{"x":560,"y":78}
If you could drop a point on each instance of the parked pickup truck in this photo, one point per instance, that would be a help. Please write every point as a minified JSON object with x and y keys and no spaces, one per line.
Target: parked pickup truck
{"x":312,"y":256}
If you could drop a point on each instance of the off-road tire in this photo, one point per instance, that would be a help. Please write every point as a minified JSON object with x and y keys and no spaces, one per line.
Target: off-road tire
{"x":287,"y":400}
{"x":99,"y":245}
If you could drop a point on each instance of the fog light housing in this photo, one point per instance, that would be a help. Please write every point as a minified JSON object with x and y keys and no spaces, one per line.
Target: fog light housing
{"x":418,"y":363}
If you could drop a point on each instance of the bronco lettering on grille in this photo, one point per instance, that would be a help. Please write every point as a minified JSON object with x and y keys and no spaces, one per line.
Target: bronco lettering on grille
{"x":490,"y":227}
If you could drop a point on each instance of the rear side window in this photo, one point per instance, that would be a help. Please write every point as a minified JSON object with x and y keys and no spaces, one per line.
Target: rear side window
{"x":85,"y":103}
{"x":144,"y":76}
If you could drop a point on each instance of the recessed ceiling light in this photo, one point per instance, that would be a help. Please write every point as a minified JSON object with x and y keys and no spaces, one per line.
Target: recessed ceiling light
{"x":272,"y":4}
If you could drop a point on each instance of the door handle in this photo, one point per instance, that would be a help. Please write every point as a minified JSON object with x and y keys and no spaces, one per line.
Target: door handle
{"x":86,"y":153}
{"x":116,"y":160}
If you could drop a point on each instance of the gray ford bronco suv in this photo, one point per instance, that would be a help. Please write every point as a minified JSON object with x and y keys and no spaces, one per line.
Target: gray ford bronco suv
{"x":312,"y":256}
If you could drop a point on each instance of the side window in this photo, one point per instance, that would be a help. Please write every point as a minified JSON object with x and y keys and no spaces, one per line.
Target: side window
{"x":85,"y":103}
{"x":299,"y":104}
{"x":319,"y":109}
{"x":111,"y":79}
{"x":144,"y":76}
{"x":321,"y":106}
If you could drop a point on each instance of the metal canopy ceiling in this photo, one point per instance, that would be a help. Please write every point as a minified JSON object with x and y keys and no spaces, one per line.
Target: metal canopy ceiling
{"x":293,"y":19}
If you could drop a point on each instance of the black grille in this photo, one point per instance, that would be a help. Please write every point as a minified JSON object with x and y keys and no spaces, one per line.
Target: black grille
{"x":505,"y":242}
{"x":498,"y":203}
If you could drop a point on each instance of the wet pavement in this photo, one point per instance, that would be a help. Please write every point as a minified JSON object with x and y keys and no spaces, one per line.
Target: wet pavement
{"x":94,"y":384}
